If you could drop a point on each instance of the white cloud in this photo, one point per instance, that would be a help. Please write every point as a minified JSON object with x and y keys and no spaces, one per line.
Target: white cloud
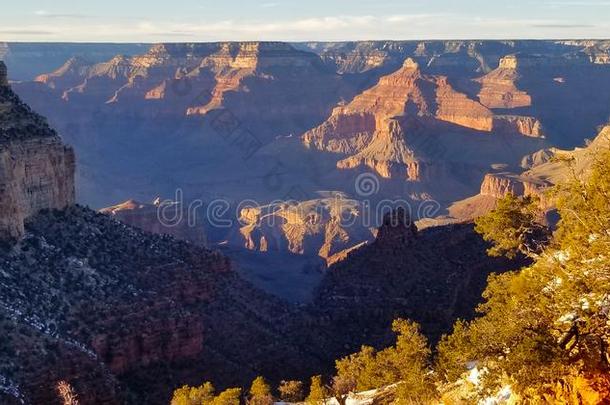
{"x":333,"y":28}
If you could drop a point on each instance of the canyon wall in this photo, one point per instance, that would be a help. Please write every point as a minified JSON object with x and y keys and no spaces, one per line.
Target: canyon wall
{"x":36,"y":169}
{"x":161,"y":217}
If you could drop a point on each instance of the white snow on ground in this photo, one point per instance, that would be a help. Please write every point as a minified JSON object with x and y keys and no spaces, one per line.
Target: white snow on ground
{"x":36,"y":323}
{"x":562,"y":256}
{"x":357,"y":398}
{"x":7,"y":386}
{"x":567,"y":318}
{"x":470,"y":383}
{"x":502,"y":397}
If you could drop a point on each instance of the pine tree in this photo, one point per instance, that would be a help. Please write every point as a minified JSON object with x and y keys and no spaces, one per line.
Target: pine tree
{"x":317,"y":392}
{"x":545,"y":330}
{"x":405,"y":364}
{"x":230,"y":396}
{"x":291,"y":391}
{"x":514,"y":227}
{"x":260,"y":392}
{"x":204,"y":395}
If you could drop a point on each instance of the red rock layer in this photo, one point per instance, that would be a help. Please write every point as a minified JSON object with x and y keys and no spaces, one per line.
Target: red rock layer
{"x":499,"y":87}
{"x":374,"y":129}
{"x":149,"y":217}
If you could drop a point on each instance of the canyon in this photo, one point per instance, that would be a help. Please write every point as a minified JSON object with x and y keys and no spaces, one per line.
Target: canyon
{"x":36,"y":169}
{"x":88,"y":299}
{"x":126,"y":316}
{"x":432,"y":121}
{"x":539,"y":173}
{"x":126,"y":307}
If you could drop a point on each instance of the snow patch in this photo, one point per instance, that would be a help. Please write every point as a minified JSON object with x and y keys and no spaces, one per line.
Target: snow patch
{"x":9,"y":387}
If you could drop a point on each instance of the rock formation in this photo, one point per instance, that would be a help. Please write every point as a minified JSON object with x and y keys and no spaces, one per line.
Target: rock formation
{"x":517,"y":124}
{"x":196,"y":79}
{"x":499,"y":87}
{"x":397,"y":230}
{"x":218,"y":118}
{"x":36,"y":169}
{"x":109,"y":308}
{"x":498,"y":185}
{"x":163,"y":218}
{"x":321,"y":227}
{"x":432,"y":276}
{"x":378,"y":127}
{"x":542,"y":170}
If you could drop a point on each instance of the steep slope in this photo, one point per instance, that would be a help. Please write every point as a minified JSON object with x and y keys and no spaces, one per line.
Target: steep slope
{"x":432,"y":276}
{"x":409,"y":123}
{"x":499,"y":87}
{"x":36,"y":169}
{"x":542,"y":171}
{"x":122,"y":315}
{"x":160,"y":217}
{"x":146,"y":311}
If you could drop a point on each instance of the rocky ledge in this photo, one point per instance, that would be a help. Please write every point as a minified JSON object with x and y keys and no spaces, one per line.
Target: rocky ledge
{"x":36,"y":169}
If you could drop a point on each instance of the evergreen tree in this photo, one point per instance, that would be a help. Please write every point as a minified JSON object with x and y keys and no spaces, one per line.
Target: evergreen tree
{"x":317,"y":392}
{"x":230,"y":396}
{"x":204,"y":395}
{"x":260,"y":392}
{"x":545,"y":330}
{"x":291,"y":391}
{"x":405,"y":364}
{"x":514,"y":227}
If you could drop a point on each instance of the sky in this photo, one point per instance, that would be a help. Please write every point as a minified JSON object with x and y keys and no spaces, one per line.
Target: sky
{"x":300,"y":20}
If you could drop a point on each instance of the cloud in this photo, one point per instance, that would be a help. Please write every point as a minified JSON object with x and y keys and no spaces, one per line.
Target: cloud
{"x":174,"y":34}
{"x":46,"y":14}
{"x":269,"y":5}
{"x":26,"y":32}
{"x":396,"y":26}
{"x":560,"y":4}
{"x":563,"y":26}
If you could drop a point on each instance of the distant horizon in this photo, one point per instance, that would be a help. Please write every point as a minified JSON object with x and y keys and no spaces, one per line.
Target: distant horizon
{"x":183,"y":21}
{"x":303,"y":41}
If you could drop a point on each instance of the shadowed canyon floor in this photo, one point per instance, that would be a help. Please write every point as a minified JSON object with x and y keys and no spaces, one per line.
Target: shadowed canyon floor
{"x":127,"y":307}
{"x":432,"y":120}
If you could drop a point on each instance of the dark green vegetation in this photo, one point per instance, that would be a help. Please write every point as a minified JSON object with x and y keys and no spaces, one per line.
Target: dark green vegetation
{"x":543,"y":332}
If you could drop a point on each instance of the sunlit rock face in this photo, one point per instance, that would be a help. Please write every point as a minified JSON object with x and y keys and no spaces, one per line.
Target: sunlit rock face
{"x":430,"y":118}
{"x":161,"y":217}
{"x":499,"y":87}
{"x":378,"y":129}
{"x":36,"y":169}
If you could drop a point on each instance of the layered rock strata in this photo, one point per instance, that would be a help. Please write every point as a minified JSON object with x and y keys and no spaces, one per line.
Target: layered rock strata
{"x":36,"y":169}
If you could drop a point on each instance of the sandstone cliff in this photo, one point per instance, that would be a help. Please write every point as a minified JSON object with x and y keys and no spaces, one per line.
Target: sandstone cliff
{"x":36,"y":169}
{"x":542,"y":171}
{"x":321,"y":227}
{"x":499,"y":87}
{"x":178,"y":222}
{"x":378,"y":129}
